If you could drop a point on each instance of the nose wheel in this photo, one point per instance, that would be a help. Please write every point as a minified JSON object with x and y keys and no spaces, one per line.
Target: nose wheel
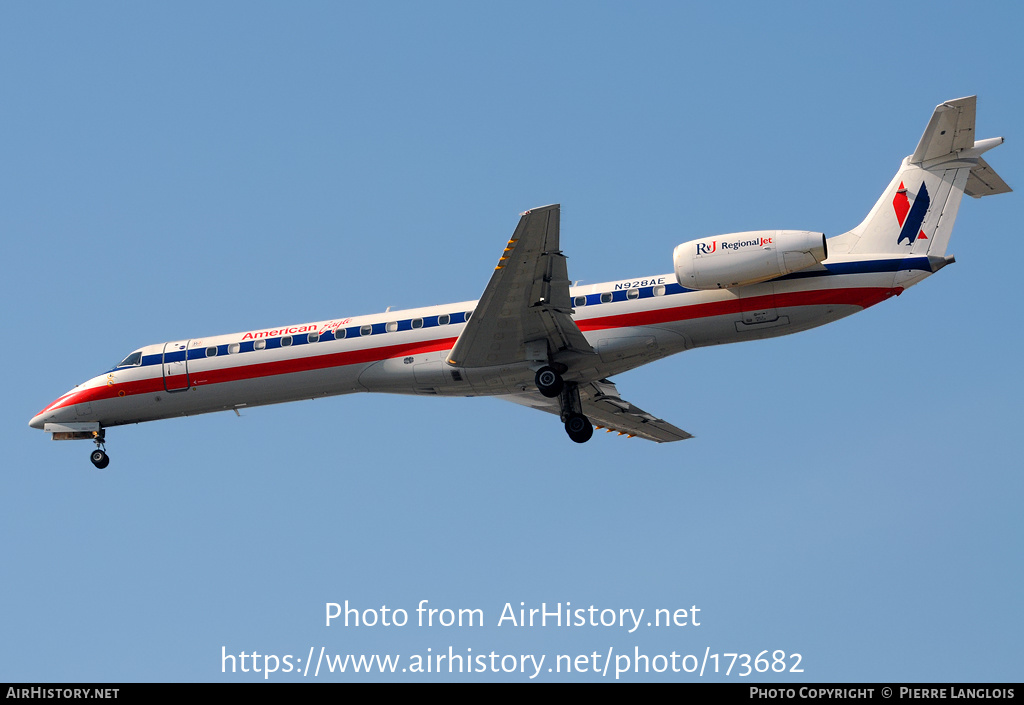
{"x":99,"y":456}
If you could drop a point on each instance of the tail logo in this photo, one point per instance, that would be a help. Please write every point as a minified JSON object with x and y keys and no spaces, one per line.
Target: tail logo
{"x":911,"y":217}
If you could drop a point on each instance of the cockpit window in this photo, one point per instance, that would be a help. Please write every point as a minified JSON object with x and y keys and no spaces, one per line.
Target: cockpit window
{"x":133,"y":360}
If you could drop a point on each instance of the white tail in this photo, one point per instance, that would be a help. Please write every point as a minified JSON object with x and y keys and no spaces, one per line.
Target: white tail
{"x":915,"y":213}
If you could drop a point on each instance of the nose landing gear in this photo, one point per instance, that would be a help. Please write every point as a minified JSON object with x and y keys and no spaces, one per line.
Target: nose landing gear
{"x":99,"y":456}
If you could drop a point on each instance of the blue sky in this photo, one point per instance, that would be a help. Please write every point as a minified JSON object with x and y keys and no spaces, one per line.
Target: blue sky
{"x":852,"y":493}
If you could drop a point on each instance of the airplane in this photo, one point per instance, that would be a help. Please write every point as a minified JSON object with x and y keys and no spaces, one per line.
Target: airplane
{"x":535,"y":340}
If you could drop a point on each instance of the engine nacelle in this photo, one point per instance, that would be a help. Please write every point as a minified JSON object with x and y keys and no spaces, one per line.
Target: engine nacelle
{"x":736,"y":259}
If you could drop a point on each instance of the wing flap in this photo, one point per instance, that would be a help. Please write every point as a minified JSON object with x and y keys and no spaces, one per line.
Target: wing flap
{"x":606,"y":409}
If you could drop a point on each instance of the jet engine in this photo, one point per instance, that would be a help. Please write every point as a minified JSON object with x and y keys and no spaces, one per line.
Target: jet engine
{"x":736,"y":259}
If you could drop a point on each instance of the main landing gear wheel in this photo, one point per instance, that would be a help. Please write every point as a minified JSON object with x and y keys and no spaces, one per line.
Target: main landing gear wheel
{"x":99,"y":459}
{"x":579,"y":428}
{"x":549,"y":382}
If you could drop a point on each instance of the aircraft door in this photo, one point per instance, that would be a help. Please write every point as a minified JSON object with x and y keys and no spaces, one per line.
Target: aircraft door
{"x":175,"y":366}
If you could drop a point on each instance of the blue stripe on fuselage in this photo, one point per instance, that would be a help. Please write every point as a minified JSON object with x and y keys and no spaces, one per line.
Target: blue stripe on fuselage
{"x":874,"y":266}
{"x":863,"y":267}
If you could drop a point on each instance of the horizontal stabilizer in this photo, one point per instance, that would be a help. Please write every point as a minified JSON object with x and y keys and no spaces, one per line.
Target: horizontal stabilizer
{"x":984,"y":181}
{"x":950,"y":130}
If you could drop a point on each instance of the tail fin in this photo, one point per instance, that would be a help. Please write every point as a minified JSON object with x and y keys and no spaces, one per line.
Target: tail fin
{"x":915,"y":213}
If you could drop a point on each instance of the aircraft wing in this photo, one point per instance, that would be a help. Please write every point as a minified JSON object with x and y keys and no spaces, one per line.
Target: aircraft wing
{"x":525,"y":312}
{"x":606,"y":409}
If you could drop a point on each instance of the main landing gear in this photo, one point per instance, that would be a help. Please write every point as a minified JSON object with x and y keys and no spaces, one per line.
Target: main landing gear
{"x":579,"y":428}
{"x":99,"y":456}
{"x":550,"y":384}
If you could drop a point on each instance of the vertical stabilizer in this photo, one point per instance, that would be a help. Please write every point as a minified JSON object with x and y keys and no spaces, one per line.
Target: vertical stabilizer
{"x":915,"y":213}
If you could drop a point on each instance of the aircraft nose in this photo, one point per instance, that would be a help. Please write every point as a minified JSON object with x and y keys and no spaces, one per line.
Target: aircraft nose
{"x":58,"y":410}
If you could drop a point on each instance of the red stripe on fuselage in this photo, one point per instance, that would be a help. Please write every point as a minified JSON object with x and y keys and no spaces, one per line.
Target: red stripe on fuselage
{"x":59,"y":402}
{"x":861,"y":297}
{"x":265,"y":369}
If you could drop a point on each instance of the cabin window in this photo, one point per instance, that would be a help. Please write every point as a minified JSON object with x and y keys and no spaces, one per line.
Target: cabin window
{"x":417,"y":323}
{"x":444,"y":319}
{"x":259,"y":345}
{"x":312,"y":337}
{"x":391,"y":326}
{"x":606,"y":298}
{"x":659,"y":290}
{"x":234,"y":348}
{"x":339,"y":333}
{"x":632,"y":293}
{"x":133,"y":360}
{"x":211,"y":351}
{"x":286,"y":340}
{"x":579,"y":301}
{"x":365,"y":330}
{"x":469,"y":314}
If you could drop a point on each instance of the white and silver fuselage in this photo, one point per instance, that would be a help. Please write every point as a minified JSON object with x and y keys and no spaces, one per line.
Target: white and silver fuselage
{"x":628,"y":323}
